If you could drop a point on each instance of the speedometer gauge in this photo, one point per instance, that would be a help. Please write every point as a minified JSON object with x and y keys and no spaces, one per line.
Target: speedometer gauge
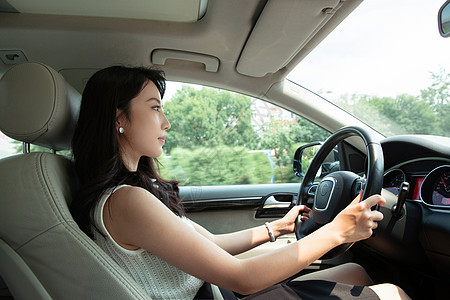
{"x":441,"y":189}
{"x":393,"y":179}
{"x":436,"y":187}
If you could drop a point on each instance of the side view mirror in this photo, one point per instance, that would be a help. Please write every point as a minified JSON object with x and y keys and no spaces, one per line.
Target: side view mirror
{"x":444,"y":19}
{"x":304,"y":155}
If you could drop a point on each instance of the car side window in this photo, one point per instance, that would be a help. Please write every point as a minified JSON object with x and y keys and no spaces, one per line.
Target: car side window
{"x":7,"y":146}
{"x":219,"y":137}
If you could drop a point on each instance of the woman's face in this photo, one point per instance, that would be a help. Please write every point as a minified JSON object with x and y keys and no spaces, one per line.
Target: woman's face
{"x":144,"y":130}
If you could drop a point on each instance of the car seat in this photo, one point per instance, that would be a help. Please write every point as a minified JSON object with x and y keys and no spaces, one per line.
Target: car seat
{"x":43,"y":253}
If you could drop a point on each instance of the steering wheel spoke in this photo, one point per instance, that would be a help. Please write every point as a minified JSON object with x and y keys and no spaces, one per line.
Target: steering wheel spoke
{"x":312,"y":190}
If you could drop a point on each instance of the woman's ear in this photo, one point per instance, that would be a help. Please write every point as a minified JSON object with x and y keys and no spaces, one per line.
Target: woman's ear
{"x":119,"y":119}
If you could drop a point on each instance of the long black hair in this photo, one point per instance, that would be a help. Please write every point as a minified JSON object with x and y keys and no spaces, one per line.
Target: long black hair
{"x":95,"y":148}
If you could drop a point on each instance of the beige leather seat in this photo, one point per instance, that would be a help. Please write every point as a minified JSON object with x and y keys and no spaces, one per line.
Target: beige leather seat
{"x":43,"y":253}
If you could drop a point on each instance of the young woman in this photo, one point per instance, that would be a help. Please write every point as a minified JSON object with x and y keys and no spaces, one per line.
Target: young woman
{"x":137,"y":217}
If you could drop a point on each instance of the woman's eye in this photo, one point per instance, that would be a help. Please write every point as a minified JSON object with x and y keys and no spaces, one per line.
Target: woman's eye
{"x":157,"y":108}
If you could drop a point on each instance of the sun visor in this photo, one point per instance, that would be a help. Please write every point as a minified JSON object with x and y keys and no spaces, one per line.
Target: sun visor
{"x":282,"y":30}
{"x":157,"y":10}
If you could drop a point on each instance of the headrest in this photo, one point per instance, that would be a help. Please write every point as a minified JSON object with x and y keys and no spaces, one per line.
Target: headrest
{"x":37,"y":106}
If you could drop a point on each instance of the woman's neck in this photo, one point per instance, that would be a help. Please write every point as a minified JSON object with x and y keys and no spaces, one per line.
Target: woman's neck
{"x":130,"y":162}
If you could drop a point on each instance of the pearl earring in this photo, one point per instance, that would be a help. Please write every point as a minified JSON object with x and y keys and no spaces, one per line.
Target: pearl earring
{"x":120,"y":129}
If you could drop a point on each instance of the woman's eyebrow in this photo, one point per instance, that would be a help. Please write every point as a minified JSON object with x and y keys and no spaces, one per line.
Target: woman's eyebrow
{"x":155,"y":99}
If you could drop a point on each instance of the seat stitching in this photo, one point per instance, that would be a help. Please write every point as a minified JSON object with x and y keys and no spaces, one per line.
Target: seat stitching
{"x":40,"y":167}
{"x":36,"y":236}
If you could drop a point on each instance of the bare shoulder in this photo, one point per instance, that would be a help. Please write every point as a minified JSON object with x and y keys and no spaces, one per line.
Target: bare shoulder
{"x":131,"y":198}
{"x":131,"y":191}
{"x":131,"y":211}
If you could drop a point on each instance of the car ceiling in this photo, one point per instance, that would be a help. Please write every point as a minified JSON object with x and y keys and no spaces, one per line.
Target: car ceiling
{"x":237,"y":41}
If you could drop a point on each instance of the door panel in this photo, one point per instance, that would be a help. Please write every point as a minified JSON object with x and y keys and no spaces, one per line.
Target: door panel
{"x":223,"y":209}
{"x":225,"y":221}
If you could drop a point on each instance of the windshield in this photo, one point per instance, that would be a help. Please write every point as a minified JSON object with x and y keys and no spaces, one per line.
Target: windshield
{"x":387,"y":65}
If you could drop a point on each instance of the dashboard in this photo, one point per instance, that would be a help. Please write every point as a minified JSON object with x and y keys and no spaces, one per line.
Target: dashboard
{"x":424,"y":163}
{"x":420,"y":238}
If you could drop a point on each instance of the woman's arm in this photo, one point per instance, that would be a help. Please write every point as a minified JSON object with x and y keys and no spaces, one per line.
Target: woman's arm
{"x":137,"y":219}
{"x":241,"y":241}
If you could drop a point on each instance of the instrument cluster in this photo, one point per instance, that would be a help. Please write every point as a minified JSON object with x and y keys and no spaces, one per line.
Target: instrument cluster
{"x":433,"y":189}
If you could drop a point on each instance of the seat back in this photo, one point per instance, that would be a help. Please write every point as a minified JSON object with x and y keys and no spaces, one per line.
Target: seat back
{"x":43,"y":253}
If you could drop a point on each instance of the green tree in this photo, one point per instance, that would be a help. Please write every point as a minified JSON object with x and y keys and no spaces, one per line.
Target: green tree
{"x":404,"y":114}
{"x":438,"y":95}
{"x":217,"y":166}
{"x":207,"y":118}
{"x":284,"y":137}
{"x":374,"y":111}
{"x":410,"y":114}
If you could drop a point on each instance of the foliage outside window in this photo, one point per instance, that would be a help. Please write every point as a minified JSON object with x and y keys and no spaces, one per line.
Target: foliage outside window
{"x":426,"y":113}
{"x":223,"y":138}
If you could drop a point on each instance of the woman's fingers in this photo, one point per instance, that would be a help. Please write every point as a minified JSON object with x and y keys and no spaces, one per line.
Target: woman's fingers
{"x":304,"y":216}
{"x":375,"y":225}
{"x":374,"y":200}
{"x":304,"y":208}
{"x":376,"y":215}
{"x":358,"y":220}
{"x":358,"y":198}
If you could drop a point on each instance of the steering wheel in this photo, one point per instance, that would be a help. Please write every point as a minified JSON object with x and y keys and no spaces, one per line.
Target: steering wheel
{"x":336,"y":190}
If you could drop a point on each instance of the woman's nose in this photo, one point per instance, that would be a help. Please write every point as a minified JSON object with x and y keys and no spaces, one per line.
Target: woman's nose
{"x":166,"y":123}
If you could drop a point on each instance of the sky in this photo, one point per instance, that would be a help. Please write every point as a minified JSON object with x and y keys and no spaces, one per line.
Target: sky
{"x":383,"y":48}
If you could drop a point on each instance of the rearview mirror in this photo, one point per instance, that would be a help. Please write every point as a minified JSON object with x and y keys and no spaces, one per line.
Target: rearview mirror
{"x":304,"y":155}
{"x":444,"y":19}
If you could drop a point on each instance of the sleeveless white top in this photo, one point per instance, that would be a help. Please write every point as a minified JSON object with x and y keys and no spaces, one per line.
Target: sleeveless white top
{"x":157,"y":277}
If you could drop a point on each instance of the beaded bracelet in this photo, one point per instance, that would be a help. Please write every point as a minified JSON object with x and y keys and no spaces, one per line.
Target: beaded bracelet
{"x":269,"y":229}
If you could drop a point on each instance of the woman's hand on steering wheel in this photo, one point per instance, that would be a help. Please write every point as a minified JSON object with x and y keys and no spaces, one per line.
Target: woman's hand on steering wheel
{"x":357,"y":221}
{"x":286,"y":224}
